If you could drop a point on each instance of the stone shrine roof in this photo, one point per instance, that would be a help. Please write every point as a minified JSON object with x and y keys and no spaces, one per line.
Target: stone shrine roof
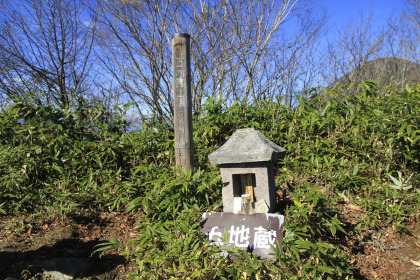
{"x":247,"y":145}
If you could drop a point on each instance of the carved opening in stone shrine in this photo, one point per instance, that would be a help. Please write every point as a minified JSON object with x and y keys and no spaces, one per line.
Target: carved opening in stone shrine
{"x":244,"y":184}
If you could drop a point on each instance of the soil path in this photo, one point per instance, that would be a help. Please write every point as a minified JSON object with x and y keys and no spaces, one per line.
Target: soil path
{"x":35,"y":247}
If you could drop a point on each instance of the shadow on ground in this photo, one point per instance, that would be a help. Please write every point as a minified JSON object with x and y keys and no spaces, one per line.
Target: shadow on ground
{"x":66,"y":259}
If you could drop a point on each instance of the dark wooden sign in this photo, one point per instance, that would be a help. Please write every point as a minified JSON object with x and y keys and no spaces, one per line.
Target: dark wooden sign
{"x":254,"y":233}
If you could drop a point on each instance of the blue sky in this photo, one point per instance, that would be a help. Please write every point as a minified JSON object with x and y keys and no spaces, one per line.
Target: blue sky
{"x":343,"y":11}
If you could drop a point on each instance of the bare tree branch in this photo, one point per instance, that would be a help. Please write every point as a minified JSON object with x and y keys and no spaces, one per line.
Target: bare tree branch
{"x":49,"y":46}
{"x":237,"y":48}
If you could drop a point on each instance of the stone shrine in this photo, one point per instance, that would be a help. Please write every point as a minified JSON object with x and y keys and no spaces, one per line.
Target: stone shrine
{"x":246,"y":166}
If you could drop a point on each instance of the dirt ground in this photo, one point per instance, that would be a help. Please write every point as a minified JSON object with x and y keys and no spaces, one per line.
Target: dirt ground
{"x":382,"y":254}
{"x":23,"y":240}
{"x":385,"y":253}
{"x":388,"y":256}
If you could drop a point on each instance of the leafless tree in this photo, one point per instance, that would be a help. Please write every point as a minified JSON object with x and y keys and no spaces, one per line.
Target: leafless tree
{"x":413,"y":16}
{"x":410,"y":36}
{"x":241,"y":50}
{"x":402,"y":50}
{"x":387,"y":54}
{"x":46,"y":45}
{"x":357,"y":43}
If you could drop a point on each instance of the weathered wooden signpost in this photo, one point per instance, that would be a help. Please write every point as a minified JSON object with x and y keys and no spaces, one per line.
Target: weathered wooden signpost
{"x":181,"y":69}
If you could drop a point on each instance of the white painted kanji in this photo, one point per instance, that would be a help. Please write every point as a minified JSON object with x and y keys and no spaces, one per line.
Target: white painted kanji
{"x":239,"y":236}
{"x":263,"y":238}
{"x":216,"y":236}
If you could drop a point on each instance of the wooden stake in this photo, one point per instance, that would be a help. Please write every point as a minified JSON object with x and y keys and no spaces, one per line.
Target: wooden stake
{"x":181,"y":68}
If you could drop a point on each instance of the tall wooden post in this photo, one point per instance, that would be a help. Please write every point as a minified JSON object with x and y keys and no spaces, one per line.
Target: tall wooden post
{"x":181,"y":69}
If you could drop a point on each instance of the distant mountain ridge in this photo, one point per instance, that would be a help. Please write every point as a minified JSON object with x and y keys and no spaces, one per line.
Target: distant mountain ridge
{"x":385,"y":71}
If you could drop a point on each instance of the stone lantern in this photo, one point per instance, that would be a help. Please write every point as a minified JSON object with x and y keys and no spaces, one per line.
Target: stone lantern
{"x":246,"y":166}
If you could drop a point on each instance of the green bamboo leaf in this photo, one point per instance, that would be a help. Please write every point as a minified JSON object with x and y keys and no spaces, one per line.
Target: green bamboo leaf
{"x":326,"y":269}
{"x":57,"y":169}
{"x":395,"y":180}
{"x":333,"y":229}
{"x":112,"y":244}
{"x":355,"y":170}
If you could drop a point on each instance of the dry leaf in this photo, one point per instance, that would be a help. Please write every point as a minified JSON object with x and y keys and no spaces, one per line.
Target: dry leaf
{"x":344,"y":197}
{"x":415,"y":263}
{"x":353,"y":207}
